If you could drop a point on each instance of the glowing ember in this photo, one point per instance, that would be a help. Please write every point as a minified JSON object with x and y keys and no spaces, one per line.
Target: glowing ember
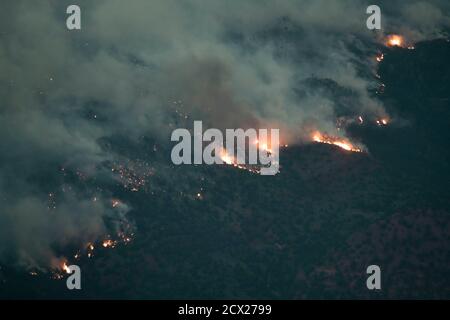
{"x":134,"y":175}
{"x":380,"y":57}
{"x":339,"y":142}
{"x":65,"y":268}
{"x":108,"y":243}
{"x":382,"y":122}
{"x":122,"y":237}
{"x":115,"y":203}
{"x":360,"y":119}
{"x":395,"y":41}
{"x":263,"y":146}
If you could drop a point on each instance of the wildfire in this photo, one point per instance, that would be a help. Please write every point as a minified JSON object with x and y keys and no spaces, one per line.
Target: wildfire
{"x":230,"y":160}
{"x":395,"y":41}
{"x":65,"y":267}
{"x":90,"y":249}
{"x":123,"y":237}
{"x":263,"y":146}
{"x":339,"y":142}
{"x":380,"y":57}
{"x":134,"y":175}
{"x":108,"y":243}
{"x":382,"y":122}
{"x":115,"y":203}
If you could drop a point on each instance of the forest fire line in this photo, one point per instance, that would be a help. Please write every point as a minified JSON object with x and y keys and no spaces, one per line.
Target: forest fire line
{"x":230,"y":160}
{"x":61,"y":267}
{"x":262,"y":146}
{"x":122,"y":236}
{"x":339,"y":142}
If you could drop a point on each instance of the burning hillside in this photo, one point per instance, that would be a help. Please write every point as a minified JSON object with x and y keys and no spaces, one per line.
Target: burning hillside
{"x":342,"y":143}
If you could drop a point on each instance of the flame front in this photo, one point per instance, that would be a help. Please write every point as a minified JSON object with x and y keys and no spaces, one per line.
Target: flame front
{"x":231,"y":160}
{"x":339,"y":142}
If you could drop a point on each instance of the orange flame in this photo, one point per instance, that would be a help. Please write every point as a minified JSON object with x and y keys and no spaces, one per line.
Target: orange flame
{"x":108,"y":243}
{"x":65,"y":268}
{"x":231,"y":160}
{"x":226,"y":158}
{"x":395,"y":41}
{"x":339,"y":142}
{"x":382,"y":122}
